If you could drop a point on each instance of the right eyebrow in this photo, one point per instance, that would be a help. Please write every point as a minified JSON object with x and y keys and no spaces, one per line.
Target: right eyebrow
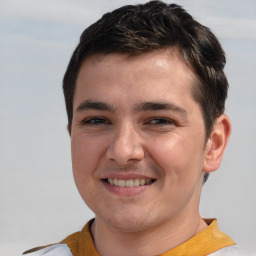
{"x":94,"y":105}
{"x":154,"y":106}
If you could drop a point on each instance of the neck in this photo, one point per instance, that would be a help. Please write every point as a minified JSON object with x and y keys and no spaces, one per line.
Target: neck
{"x":153,"y":241}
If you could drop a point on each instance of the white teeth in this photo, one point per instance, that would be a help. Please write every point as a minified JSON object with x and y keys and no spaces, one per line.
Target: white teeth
{"x":136,"y":182}
{"x":129,"y":183}
{"x":121,"y":183}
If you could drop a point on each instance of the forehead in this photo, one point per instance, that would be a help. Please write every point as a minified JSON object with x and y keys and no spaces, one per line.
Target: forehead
{"x":163,"y":59}
{"x":149,"y":75}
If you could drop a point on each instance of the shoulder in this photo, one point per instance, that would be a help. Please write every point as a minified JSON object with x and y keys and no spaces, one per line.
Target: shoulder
{"x":67,"y":247}
{"x":51,"y":250}
{"x":234,"y":250}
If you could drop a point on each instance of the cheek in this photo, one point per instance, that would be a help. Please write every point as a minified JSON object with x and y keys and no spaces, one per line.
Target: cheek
{"x":178,"y":156}
{"x":167,"y":152}
{"x":86,"y":154}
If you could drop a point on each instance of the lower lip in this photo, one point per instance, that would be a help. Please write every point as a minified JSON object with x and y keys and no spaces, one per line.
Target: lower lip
{"x":126,"y":191}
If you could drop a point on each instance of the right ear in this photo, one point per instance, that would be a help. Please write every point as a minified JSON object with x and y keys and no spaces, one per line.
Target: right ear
{"x":217,"y":143}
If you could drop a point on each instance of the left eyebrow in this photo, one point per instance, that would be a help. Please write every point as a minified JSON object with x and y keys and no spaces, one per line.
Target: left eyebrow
{"x":147,"y":106}
{"x":94,"y":105}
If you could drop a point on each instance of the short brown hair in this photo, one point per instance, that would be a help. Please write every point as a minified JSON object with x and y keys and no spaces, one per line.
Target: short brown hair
{"x":137,"y":29}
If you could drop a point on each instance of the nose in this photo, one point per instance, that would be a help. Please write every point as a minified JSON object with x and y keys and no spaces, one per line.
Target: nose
{"x":126,"y":146}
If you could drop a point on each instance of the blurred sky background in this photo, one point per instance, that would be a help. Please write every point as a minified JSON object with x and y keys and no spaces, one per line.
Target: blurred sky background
{"x":39,"y":203}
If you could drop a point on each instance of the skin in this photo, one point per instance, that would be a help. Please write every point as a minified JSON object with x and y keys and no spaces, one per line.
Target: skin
{"x":135,"y":117}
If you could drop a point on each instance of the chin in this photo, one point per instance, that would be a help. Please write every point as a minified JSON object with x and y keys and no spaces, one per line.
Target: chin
{"x":129,"y":222}
{"x":128,"y":225}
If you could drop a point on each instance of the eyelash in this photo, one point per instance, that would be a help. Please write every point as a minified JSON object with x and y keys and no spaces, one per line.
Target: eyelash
{"x":161,"y":121}
{"x":95,"y":121}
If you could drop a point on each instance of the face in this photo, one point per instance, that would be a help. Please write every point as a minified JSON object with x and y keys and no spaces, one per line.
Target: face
{"x":137,"y":139}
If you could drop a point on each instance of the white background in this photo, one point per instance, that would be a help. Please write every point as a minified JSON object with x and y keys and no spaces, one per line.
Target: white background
{"x":39,"y":203}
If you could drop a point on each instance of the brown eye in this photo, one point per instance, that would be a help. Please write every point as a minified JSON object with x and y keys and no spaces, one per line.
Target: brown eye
{"x":161,"y":121}
{"x":95,"y":121}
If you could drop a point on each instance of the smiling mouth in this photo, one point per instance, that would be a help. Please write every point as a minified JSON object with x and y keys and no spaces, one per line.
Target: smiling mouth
{"x":129,"y":183}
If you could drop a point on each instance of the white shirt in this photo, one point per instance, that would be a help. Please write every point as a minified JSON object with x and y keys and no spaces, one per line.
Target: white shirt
{"x":63,"y":250}
{"x":53,"y":250}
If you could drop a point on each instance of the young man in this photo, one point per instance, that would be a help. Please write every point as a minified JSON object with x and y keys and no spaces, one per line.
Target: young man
{"x":145,"y":94}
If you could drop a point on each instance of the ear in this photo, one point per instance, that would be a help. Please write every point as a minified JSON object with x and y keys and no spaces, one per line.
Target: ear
{"x":216,"y":144}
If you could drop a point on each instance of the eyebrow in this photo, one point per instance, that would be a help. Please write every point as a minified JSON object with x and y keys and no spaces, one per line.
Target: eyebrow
{"x":96,"y":105}
{"x":149,"y":106}
{"x":144,"y":106}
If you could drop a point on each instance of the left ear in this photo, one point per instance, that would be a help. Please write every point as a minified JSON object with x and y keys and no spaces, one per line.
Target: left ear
{"x":216,"y":143}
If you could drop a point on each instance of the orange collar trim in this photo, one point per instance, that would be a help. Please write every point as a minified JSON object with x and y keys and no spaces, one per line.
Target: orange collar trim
{"x":205,"y":242}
